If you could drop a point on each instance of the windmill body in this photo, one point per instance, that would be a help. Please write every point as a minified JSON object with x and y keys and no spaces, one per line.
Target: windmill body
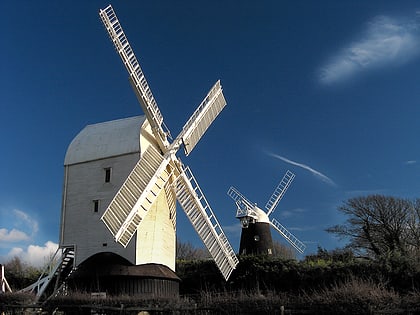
{"x":97,"y":162}
{"x":86,"y":190}
{"x":256,"y":236}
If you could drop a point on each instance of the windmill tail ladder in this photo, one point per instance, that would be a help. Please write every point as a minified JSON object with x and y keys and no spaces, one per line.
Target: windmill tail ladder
{"x":60,"y":267}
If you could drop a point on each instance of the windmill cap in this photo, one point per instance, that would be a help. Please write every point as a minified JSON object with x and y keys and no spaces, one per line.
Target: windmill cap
{"x":106,"y":139}
{"x":261,"y":215}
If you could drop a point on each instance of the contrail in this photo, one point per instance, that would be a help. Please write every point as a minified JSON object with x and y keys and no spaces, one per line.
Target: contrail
{"x":323,"y":177}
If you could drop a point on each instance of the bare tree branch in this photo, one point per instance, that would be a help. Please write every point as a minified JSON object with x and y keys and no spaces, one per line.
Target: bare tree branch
{"x":380,"y":225}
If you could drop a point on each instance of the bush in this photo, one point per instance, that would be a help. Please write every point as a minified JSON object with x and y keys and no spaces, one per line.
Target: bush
{"x":354,"y":296}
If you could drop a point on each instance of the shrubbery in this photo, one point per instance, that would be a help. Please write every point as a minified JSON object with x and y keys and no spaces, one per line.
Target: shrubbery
{"x":332,"y":282}
{"x":328,"y":282}
{"x":264,"y":273}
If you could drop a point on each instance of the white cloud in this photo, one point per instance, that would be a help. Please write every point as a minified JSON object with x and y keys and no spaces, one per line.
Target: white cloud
{"x":34,"y":255}
{"x":22,"y":227}
{"x":410,"y":162}
{"x":12,"y":236}
{"x":316,"y":173}
{"x":21,"y":231}
{"x":386,"y":41}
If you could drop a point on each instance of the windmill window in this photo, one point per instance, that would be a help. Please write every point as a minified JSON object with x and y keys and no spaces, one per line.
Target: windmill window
{"x":95,"y":205}
{"x":107,"y":175}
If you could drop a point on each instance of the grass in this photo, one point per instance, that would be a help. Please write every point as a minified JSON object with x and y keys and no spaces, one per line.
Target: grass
{"x":353,"y":296}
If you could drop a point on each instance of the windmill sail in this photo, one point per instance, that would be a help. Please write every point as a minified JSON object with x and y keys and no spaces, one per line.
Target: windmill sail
{"x":136,"y":195}
{"x":202,"y":118}
{"x":137,"y":78}
{"x":205,"y":223}
{"x":244,"y":205}
{"x":279,"y":192}
{"x":300,"y":247}
{"x":151,"y":174}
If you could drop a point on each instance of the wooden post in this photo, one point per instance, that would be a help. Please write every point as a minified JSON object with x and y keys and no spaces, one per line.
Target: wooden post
{"x":4,"y":286}
{"x":2,"y":280}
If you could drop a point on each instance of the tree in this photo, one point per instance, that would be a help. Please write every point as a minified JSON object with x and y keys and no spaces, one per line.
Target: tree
{"x":341,"y":255}
{"x":380,"y":225}
{"x":413,"y":230}
{"x":19,"y":275}
{"x":283,"y":251}
{"x":187,"y":251}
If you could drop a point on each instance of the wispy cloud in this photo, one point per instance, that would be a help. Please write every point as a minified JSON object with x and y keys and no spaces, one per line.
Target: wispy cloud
{"x":410,"y":162}
{"x":27,"y":220}
{"x":233,"y":229}
{"x":316,"y":173}
{"x":366,"y":192}
{"x":291,"y":213}
{"x":299,"y":229}
{"x":386,"y":41}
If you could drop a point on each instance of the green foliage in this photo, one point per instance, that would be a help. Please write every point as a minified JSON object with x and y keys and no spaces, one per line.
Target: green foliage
{"x":198,"y":275}
{"x":329,"y":282}
{"x":324,"y":270}
{"x":324,"y":257}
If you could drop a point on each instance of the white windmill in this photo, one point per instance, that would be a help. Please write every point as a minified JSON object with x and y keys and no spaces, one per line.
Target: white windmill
{"x":256,"y":237}
{"x":160,"y":174}
{"x":125,"y":173}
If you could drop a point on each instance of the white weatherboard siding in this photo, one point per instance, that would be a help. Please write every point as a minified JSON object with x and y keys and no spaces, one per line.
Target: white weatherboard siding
{"x":81,"y":226}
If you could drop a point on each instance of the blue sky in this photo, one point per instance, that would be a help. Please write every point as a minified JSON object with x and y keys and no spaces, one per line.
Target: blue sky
{"x":326,"y":89}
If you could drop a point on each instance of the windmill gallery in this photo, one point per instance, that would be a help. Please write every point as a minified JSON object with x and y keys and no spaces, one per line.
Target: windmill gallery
{"x":121,"y":184}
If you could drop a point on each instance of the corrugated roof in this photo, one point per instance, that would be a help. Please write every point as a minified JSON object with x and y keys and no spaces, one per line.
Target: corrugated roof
{"x":105,"y":139}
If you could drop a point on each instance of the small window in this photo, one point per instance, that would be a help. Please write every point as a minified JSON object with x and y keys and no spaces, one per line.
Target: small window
{"x":95,"y":205}
{"x":107,"y":175}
